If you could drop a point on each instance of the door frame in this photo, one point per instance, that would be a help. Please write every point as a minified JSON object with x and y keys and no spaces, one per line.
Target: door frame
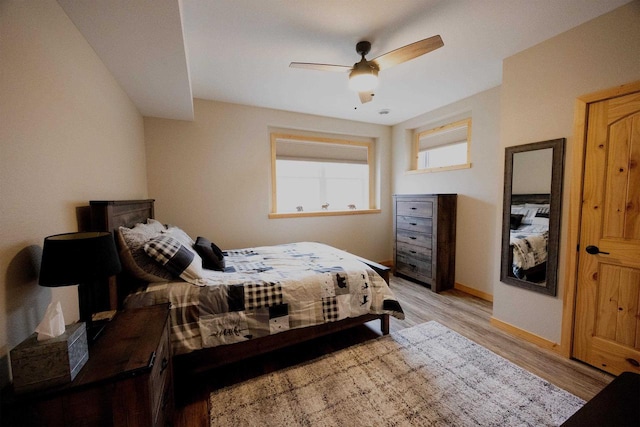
{"x":575,"y":204}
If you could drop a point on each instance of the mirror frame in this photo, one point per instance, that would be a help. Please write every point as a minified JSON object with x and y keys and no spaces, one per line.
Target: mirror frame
{"x":555,"y":204}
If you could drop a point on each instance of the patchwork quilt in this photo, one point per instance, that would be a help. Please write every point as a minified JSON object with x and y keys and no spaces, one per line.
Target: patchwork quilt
{"x":267,"y":290}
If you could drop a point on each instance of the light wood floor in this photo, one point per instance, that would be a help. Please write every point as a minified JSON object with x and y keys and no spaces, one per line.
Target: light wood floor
{"x":465,"y":314}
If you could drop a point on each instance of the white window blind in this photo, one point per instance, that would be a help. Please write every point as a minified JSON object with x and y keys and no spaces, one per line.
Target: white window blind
{"x":443,"y":148}
{"x":447,"y":137}
{"x":320,"y":152}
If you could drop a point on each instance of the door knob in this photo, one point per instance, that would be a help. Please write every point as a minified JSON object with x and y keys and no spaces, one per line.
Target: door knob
{"x":594,"y":250}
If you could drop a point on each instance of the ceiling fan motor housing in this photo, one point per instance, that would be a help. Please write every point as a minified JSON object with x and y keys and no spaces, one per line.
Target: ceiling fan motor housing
{"x":363,"y":47}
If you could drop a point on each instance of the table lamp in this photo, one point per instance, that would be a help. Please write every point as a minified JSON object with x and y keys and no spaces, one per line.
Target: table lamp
{"x":81,"y":258}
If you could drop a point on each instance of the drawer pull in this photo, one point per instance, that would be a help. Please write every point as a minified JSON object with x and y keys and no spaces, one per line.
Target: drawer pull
{"x":413,"y":223}
{"x":412,"y":237}
{"x":413,"y":208}
{"x":413,"y":252}
{"x":634,"y":362}
{"x":165,"y":363}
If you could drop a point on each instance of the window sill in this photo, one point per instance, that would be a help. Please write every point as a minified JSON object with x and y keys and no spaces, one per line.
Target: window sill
{"x":442,"y":169}
{"x":323,"y":213}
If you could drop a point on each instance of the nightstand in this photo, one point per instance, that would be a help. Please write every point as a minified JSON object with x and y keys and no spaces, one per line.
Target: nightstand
{"x":127,"y":381}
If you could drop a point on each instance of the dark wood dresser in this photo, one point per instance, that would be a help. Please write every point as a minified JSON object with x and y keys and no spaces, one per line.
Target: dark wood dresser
{"x":127,"y":381}
{"x":425,"y":238}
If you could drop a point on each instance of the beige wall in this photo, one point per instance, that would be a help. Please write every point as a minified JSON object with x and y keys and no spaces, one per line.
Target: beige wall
{"x":478,"y":202}
{"x":539,"y":89}
{"x":69,"y":134}
{"x":212,"y":177}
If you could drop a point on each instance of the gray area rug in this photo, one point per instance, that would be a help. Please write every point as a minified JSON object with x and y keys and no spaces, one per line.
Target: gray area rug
{"x":427,"y":375}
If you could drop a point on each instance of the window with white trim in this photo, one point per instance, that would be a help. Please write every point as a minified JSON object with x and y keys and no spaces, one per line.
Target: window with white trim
{"x":443,"y":148}
{"x":320,"y":175}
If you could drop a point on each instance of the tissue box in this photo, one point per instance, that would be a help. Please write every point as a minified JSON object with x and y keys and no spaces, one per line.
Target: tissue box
{"x":40,"y":364}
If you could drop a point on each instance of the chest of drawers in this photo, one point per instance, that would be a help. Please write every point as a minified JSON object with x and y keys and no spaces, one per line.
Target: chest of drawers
{"x":425,"y":238}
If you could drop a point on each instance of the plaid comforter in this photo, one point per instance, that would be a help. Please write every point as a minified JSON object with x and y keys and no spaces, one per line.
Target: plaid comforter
{"x":266,"y":290}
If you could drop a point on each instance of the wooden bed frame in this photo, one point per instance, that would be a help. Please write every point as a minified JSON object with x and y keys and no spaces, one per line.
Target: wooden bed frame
{"x":108,"y":215}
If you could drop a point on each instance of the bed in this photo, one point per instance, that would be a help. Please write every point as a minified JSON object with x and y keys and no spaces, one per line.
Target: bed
{"x":247,"y":301}
{"x":529,"y":236}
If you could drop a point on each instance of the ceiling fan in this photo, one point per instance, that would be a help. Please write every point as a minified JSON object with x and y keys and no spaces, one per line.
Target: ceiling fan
{"x":363,"y":76}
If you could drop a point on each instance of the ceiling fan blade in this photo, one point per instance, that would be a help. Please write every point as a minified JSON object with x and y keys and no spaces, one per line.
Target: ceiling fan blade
{"x":321,"y":67}
{"x":408,"y":52}
{"x":365,"y":97}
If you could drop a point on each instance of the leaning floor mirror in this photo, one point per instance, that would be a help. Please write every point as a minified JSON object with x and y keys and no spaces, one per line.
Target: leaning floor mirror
{"x":531,"y":215}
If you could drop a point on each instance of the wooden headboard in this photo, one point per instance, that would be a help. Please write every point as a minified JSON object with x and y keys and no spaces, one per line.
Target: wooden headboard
{"x":108,"y":215}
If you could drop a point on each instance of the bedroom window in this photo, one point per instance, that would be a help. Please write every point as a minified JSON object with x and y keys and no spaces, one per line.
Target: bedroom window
{"x":320,"y":176}
{"x":443,"y":148}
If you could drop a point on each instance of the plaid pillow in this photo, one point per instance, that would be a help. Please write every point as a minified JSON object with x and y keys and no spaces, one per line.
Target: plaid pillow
{"x":131,"y":243}
{"x":180,"y":260}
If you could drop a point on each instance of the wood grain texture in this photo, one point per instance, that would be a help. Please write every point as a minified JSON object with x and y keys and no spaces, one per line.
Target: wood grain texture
{"x":466,"y":314}
{"x":607,"y":316}
{"x":573,"y":234}
{"x":580,"y":137}
{"x":425,"y":234}
{"x":127,"y":380}
{"x":408,"y":52}
{"x":207,"y":359}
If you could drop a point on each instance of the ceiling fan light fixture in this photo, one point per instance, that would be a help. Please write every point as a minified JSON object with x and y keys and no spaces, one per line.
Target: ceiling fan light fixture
{"x":363,"y":78}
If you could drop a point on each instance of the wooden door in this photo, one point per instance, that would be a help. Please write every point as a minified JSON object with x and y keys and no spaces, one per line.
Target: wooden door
{"x":607,"y":313}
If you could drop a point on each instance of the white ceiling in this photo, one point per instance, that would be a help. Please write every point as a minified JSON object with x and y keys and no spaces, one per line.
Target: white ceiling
{"x":166,"y":52}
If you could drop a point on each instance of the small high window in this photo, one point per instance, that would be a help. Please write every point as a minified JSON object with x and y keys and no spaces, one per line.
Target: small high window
{"x":443,"y":148}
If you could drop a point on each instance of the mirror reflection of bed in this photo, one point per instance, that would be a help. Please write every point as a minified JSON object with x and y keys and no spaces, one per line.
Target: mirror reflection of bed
{"x":529,"y":237}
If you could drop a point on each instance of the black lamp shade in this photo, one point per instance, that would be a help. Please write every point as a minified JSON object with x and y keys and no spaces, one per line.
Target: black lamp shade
{"x":76,"y":258}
